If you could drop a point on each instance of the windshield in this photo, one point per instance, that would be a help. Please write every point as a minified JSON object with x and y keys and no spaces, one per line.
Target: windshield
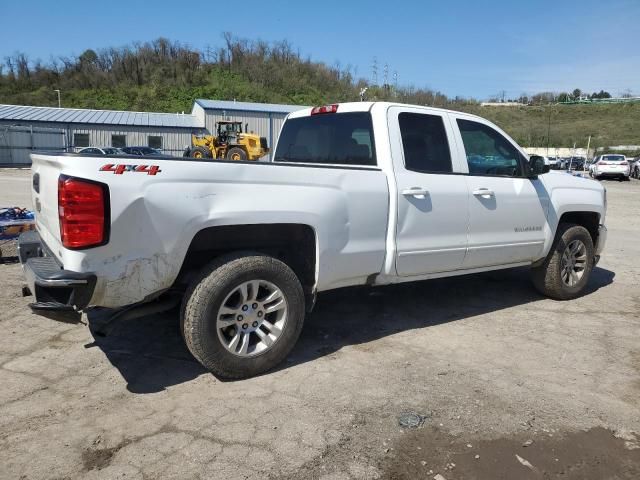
{"x":613,"y":158}
{"x":333,"y":138}
{"x":110,"y":151}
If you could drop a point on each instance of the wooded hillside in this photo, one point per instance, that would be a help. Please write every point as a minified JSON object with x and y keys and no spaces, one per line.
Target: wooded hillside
{"x":167,"y":76}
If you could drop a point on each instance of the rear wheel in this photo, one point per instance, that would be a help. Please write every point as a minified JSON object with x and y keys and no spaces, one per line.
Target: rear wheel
{"x":243,"y":315}
{"x":200,"y":152}
{"x":236,"y":153}
{"x":565,"y":272}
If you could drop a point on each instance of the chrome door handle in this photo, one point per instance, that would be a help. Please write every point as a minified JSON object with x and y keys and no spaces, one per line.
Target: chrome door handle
{"x":483,"y":192}
{"x":415,"y":192}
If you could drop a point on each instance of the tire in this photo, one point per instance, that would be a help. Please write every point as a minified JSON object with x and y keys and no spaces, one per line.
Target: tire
{"x":218,"y":286}
{"x":236,"y":153}
{"x":200,"y":152}
{"x":548,"y":277}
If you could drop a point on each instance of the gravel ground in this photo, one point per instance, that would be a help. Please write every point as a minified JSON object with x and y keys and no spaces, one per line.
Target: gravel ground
{"x":506,"y":383}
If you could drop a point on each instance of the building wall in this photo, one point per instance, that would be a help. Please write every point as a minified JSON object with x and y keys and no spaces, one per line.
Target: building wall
{"x":16,"y":143}
{"x":559,"y":151}
{"x":174,"y":139}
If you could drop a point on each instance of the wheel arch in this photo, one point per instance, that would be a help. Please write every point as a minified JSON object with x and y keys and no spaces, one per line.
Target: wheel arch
{"x":587,"y":219}
{"x":294,"y":244}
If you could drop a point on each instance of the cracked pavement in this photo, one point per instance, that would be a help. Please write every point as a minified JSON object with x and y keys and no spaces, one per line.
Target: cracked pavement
{"x":482,"y":358}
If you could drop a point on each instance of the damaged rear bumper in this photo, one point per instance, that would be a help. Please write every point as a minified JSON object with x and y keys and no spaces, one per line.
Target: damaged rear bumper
{"x":54,"y":288}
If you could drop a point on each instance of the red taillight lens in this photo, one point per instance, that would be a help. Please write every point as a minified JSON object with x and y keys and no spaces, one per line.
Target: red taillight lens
{"x":81,"y":210}
{"x":602,"y":163}
{"x":325,"y":109}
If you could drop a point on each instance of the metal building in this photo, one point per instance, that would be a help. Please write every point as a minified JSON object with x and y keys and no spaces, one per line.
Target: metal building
{"x":168,"y":132}
{"x":16,"y":143}
{"x":264,"y":119}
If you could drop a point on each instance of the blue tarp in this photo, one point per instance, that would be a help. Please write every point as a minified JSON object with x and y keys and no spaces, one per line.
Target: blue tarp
{"x":14,"y":221}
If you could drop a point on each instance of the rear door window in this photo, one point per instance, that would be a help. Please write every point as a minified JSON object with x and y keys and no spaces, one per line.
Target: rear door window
{"x":425,"y":144}
{"x":334,"y":138}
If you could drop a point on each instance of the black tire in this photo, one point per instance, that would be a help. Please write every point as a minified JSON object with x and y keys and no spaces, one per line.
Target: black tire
{"x":205,"y":296}
{"x":237,"y":152}
{"x":547,"y":276}
{"x":200,"y":152}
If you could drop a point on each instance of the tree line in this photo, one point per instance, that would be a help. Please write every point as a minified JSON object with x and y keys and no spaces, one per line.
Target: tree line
{"x":164,"y":75}
{"x":167,"y":75}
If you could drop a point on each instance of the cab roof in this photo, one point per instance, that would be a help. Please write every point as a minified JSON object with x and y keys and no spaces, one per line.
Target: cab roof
{"x":367,"y":106}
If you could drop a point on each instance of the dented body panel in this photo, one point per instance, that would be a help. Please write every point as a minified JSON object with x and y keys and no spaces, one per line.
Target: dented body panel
{"x":155,"y":217}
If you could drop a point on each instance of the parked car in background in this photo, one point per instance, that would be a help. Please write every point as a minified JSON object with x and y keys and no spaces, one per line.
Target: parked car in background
{"x":634,"y":168}
{"x":140,"y":151}
{"x":576,"y":163}
{"x":587,"y":164}
{"x":554,"y":163}
{"x":100,"y":151}
{"x":610,"y":166}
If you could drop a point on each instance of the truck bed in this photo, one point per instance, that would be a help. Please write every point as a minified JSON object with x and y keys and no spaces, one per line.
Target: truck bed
{"x":157,"y":206}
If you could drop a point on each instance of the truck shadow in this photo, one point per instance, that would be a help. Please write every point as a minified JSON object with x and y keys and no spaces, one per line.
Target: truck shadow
{"x":150,"y":354}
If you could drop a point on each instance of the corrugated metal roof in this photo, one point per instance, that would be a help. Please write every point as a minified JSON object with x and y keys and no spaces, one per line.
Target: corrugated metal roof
{"x":247,"y":106}
{"x":105,"y":117}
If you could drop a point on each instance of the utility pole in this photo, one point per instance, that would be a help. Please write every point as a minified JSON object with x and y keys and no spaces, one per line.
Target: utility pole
{"x":548,"y":132}
{"x":374,"y":71}
{"x":586,"y":157}
{"x":395,"y":83}
{"x":59,"y":103}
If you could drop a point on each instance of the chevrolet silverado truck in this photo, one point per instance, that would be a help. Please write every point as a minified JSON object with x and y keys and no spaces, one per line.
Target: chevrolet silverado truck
{"x":357,"y":194}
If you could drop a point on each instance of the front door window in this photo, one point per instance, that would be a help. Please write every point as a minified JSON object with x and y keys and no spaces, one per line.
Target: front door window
{"x":488,"y":152}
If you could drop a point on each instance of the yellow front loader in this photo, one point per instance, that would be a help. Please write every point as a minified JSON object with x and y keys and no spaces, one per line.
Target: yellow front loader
{"x":230,"y":143}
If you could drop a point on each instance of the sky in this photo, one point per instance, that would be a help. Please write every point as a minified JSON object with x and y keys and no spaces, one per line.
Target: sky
{"x":461,"y":48}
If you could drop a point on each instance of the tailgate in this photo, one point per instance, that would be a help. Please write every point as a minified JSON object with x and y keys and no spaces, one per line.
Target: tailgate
{"x":45,"y":171}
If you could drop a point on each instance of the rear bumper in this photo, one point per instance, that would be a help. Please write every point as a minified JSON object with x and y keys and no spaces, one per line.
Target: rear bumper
{"x":611,"y":174}
{"x":54,"y":289}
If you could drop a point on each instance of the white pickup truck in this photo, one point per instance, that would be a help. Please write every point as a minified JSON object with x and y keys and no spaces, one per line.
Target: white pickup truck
{"x":358,"y":194}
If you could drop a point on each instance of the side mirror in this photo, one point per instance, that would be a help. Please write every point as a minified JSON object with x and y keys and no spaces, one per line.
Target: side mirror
{"x":538,"y":165}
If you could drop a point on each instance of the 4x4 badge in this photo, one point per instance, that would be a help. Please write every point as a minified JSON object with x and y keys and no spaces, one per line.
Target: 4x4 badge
{"x":120,"y":169}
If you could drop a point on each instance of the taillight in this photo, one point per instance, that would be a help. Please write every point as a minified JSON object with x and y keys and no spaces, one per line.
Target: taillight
{"x":82,"y":210}
{"x":325,"y":109}
{"x":624,"y":163}
{"x":602,"y":163}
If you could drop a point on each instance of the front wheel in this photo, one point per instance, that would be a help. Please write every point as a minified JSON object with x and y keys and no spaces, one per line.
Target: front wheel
{"x":236,"y":154}
{"x":243,"y":315}
{"x":565,"y":272}
{"x":200,"y":152}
